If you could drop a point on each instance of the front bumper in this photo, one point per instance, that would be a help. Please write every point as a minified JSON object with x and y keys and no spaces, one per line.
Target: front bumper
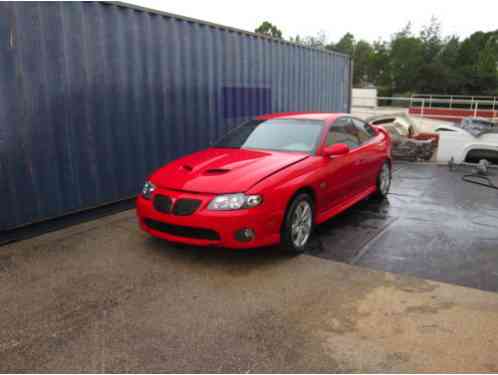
{"x":209,"y":228}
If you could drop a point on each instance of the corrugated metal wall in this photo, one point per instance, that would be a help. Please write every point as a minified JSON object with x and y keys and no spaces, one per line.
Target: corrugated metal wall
{"x":95,"y":96}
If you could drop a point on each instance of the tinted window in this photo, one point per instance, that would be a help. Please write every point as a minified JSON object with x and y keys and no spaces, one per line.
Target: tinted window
{"x":365,"y":131}
{"x":278,"y":134}
{"x":343,"y":131}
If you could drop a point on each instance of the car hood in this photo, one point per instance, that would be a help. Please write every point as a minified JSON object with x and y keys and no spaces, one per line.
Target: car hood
{"x":223,"y":170}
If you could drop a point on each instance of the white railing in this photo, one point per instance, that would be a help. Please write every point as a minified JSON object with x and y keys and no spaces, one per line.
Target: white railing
{"x":471,"y":100}
{"x":423,"y":106}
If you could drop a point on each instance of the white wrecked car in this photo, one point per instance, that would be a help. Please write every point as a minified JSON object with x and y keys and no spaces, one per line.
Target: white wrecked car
{"x":466,"y":143}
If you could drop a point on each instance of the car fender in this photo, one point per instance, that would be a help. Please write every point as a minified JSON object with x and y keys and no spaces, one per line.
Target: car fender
{"x":278,"y":189}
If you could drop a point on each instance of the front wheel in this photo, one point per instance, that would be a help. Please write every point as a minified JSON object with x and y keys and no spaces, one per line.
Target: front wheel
{"x":383,"y":181}
{"x":298,"y":225}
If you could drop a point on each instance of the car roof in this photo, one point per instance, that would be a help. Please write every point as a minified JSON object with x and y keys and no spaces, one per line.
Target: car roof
{"x":328,"y":117}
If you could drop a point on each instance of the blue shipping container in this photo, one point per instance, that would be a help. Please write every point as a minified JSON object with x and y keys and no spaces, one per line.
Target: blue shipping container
{"x":95,"y":96}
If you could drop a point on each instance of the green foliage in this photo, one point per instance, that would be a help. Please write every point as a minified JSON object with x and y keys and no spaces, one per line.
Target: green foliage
{"x":406,"y":60}
{"x":362,"y":55}
{"x":346,"y":44}
{"x":431,"y":39}
{"x":379,"y":67}
{"x":426,"y":63}
{"x":267,"y":28}
{"x":423,"y":63}
{"x":318,"y":41}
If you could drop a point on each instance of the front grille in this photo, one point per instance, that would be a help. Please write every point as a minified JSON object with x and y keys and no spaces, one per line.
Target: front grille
{"x":184,"y":207}
{"x":181,"y":231}
{"x":162,"y":204}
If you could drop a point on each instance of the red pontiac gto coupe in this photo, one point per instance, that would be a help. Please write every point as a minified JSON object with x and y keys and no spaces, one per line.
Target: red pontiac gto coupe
{"x":269,"y":180}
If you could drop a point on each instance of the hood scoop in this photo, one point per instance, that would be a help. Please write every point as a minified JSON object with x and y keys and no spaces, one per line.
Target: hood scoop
{"x":187,"y":168}
{"x":208,"y":172}
{"x":223,"y":171}
{"x":216,"y":171}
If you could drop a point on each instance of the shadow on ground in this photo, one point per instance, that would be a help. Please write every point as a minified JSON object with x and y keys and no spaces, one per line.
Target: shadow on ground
{"x":225,"y":260}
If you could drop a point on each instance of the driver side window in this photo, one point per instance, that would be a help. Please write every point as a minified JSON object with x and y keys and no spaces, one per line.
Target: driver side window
{"x":343,"y":131}
{"x":365,"y":132}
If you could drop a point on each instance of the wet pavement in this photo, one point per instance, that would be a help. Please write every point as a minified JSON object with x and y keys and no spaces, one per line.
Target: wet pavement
{"x":433,"y":225}
{"x":102,"y":296}
{"x":105,"y":297}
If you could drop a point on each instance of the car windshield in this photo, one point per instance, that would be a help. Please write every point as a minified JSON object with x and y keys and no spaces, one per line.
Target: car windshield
{"x":296,"y":135}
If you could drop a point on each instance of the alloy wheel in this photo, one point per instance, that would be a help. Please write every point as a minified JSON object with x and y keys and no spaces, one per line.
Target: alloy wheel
{"x":302,"y":220}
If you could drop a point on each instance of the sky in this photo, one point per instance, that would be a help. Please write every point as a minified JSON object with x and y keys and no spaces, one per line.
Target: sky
{"x":369,"y":20}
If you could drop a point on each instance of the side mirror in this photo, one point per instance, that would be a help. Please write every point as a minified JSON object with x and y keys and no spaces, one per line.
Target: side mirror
{"x":338,"y":149}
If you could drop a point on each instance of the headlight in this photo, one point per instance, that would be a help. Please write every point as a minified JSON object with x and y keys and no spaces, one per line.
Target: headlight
{"x":230,"y":202}
{"x":148,"y":189}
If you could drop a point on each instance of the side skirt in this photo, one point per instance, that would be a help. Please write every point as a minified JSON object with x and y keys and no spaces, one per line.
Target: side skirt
{"x":324,"y":216}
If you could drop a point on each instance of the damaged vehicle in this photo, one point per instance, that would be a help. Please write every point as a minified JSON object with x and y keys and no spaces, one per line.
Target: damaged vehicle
{"x":404,"y":125}
{"x":468,"y":142}
{"x":471,"y":140}
{"x":478,"y":126}
{"x":409,"y":149}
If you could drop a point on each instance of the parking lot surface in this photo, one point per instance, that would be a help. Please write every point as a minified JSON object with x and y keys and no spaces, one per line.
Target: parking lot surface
{"x":434,"y":226}
{"x":103,"y":296}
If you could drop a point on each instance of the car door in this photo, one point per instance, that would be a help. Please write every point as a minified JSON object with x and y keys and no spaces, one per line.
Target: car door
{"x":369,"y":154}
{"x":340,"y":172}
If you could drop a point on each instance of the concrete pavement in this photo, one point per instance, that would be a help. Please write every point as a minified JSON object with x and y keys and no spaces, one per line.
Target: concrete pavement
{"x":102,"y":296}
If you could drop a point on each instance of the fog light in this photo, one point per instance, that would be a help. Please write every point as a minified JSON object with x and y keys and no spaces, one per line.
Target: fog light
{"x":245,"y":235}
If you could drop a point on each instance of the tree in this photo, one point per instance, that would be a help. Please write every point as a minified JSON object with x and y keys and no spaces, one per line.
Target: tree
{"x":379,"y":69}
{"x":346,"y":44}
{"x":448,"y":58}
{"x":425,"y":62}
{"x":267,"y":28}
{"x":487,"y":65}
{"x":296,"y":39}
{"x":406,"y":59}
{"x":405,"y":32}
{"x":433,"y":74}
{"x":477,"y":61}
{"x":449,"y":52}
{"x":362,"y":57}
{"x":431,"y":39}
{"x":318,"y":41}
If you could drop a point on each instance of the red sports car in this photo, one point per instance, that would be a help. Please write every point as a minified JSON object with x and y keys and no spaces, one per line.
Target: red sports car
{"x":269,"y":180}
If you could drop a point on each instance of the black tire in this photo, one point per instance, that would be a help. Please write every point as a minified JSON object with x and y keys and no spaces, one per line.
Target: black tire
{"x":382,"y":191}
{"x":287,"y":241}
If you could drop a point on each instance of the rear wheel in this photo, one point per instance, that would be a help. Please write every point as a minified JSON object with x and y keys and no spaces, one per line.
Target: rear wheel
{"x":383,"y":181}
{"x":298,"y":225}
